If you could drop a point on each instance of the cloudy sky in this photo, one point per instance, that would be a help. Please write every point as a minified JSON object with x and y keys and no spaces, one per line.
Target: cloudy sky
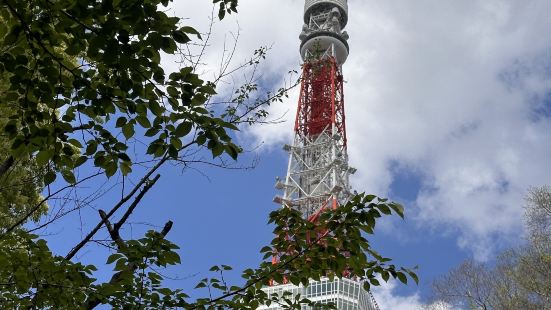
{"x":448,"y":108}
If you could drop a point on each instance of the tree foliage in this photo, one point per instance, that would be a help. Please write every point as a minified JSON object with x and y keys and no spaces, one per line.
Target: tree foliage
{"x":520,"y":277}
{"x":116,"y":108}
{"x":20,"y":186}
{"x":538,"y":218}
{"x":20,"y":180}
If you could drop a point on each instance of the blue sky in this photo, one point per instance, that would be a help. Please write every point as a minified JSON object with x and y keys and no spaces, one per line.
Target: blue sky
{"x":448,"y":112}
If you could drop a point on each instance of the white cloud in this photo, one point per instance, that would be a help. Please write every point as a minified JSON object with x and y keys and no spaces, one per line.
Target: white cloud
{"x":447,"y":88}
{"x":388,"y":299}
{"x":435,"y":95}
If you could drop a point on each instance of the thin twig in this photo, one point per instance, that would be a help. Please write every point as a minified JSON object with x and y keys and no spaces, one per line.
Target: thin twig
{"x":121,"y":202}
{"x":37,"y":206}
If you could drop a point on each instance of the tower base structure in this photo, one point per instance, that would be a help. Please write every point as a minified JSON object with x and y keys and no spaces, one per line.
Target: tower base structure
{"x":345,"y":294}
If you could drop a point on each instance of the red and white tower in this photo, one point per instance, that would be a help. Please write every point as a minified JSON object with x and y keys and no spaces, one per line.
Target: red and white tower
{"x":318,"y":170}
{"x":317,"y":176}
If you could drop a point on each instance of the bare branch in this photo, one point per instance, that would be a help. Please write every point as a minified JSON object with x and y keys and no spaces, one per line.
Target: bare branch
{"x":144,"y":180}
{"x":38,"y":205}
{"x":134,"y":204}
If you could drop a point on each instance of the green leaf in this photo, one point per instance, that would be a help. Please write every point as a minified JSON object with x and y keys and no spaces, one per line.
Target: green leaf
{"x":152,"y":131}
{"x":153,"y":147}
{"x":92,"y":147}
{"x":172,"y":91}
{"x":402,"y":277}
{"x":165,"y":291}
{"x":113,"y":257}
{"x":413,"y":275}
{"x":120,"y":265}
{"x":367,"y":286}
{"x":176,"y":143}
{"x":128,"y":130}
{"x":123,"y":156}
{"x":121,"y":121}
{"x":80,"y":161}
{"x":191,"y":30}
{"x":221,"y":11}
{"x":180,"y":37}
{"x":369,"y":198}
{"x":385,"y":275}
{"x":68,"y":176}
{"x":75,"y":142}
{"x":200,"y":285}
{"x":398,"y":208}
{"x":143,"y":121}
{"x":11,"y":127}
{"x":43,"y":157}
{"x":156,"y":108}
{"x":110,"y":169}
{"x":126,"y":168}
{"x":201,"y":139}
{"x":208,"y":89}
{"x":217,"y":149}
{"x":384,"y":209}
{"x":183,"y":129}
{"x":172,"y":258}
{"x":49,"y":177}
{"x":232,"y":150}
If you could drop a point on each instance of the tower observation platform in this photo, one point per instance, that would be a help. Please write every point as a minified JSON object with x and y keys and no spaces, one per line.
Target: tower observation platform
{"x":318,"y":173}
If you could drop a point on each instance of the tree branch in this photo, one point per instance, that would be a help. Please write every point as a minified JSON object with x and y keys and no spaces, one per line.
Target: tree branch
{"x":134,"y":204}
{"x":121,"y":202}
{"x":144,"y":180}
{"x":114,"y":233}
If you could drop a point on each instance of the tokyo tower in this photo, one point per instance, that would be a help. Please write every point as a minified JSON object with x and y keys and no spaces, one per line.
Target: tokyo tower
{"x":318,"y":170}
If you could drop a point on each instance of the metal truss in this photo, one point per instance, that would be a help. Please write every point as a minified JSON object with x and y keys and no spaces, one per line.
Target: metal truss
{"x":317,"y":174}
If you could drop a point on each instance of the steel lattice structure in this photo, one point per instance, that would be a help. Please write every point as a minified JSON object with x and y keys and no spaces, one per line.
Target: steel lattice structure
{"x":318,"y":172}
